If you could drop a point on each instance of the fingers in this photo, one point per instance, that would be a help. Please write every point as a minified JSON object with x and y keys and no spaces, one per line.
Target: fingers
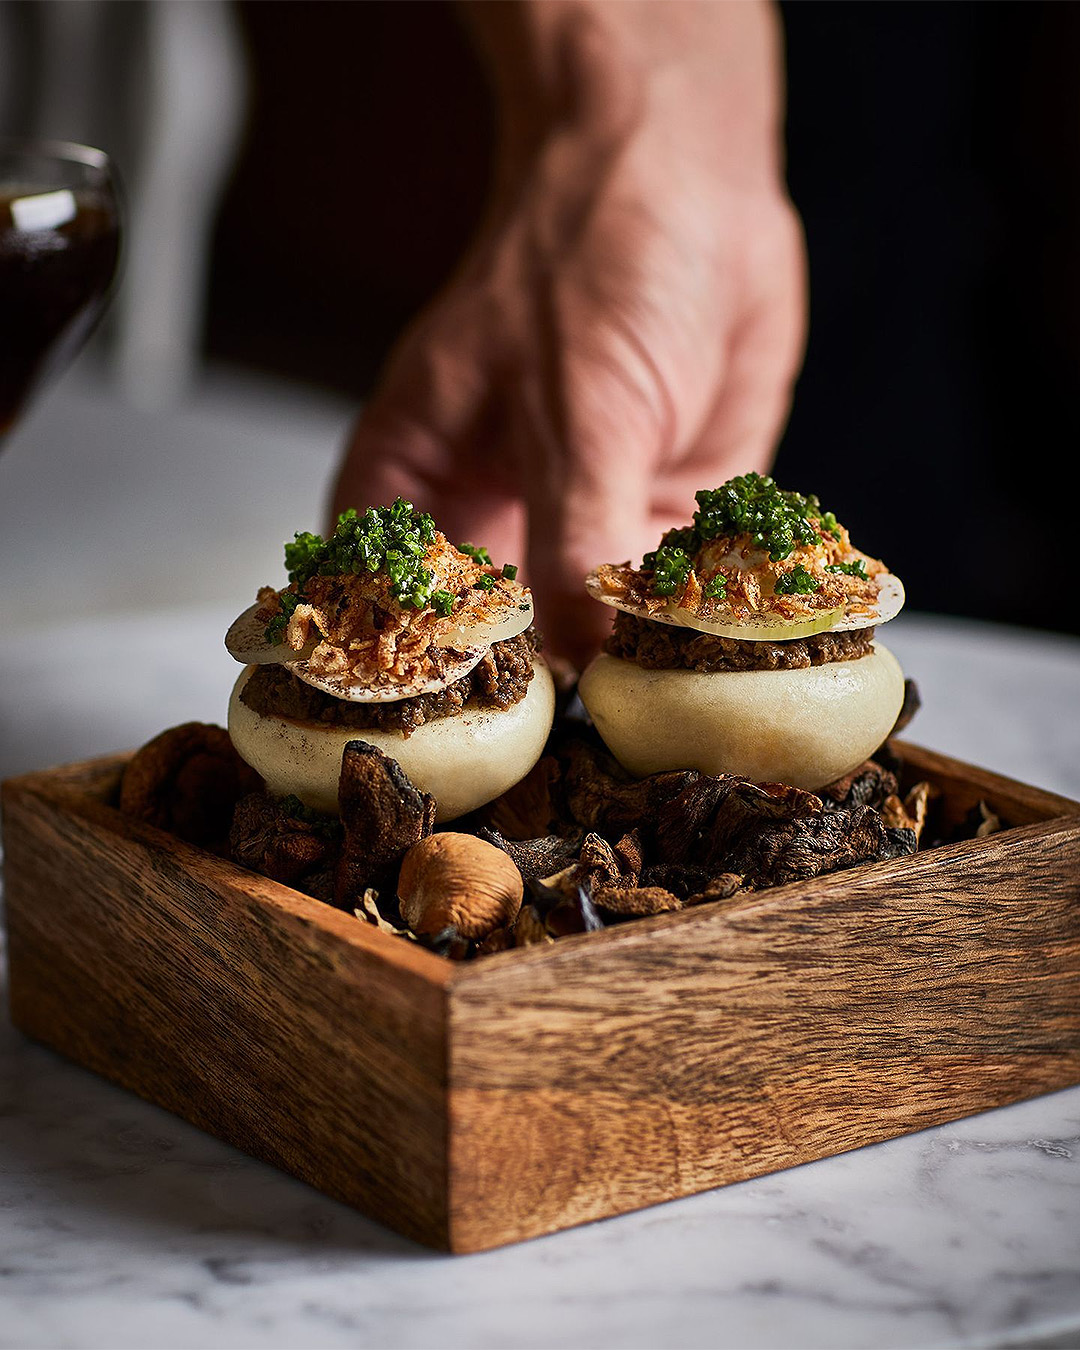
{"x":765,"y":353}
{"x":592,"y":430}
{"x":427,"y":436}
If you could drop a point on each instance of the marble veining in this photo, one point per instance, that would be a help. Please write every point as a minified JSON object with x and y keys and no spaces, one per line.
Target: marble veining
{"x":122,"y":1227}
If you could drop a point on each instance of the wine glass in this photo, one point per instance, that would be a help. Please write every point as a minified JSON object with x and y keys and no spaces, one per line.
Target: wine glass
{"x":59,"y":245}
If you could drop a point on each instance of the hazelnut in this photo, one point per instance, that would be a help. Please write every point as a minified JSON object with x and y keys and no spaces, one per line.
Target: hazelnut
{"x":459,"y":881}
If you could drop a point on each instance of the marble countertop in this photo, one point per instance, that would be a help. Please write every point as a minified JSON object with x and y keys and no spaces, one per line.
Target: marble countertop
{"x":121,"y":1226}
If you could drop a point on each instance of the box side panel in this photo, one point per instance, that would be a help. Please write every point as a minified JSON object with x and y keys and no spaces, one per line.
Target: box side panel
{"x":963,"y":786}
{"x":243,"y":1007}
{"x":594,"y":1077}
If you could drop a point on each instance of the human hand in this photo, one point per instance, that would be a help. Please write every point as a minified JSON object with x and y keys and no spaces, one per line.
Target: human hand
{"x":629,"y":323}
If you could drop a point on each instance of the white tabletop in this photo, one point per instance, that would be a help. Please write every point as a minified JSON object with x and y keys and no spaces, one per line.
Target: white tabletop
{"x":121,"y":1226}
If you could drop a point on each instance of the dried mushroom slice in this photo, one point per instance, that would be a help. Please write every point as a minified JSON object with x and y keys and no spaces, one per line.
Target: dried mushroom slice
{"x":637,"y":902}
{"x":530,"y":929}
{"x":369,"y":912}
{"x":187,"y":780}
{"x":536,"y":858}
{"x":283,"y":840}
{"x":763,"y":626}
{"x":382,"y":816}
{"x":868,"y":784}
{"x":527,"y":810}
{"x":917,"y":806}
{"x":812,"y":846}
{"x":453,"y":666}
{"x":726,"y":886}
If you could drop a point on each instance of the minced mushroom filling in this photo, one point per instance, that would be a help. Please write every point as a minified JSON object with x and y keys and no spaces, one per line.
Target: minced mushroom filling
{"x":499,"y":681}
{"x":663,"y":646}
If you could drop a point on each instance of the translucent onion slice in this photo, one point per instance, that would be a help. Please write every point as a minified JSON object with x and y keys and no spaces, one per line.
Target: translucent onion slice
{"x":489,"y":631}
{"x":458,"y":665}
{"x":890,"y":601}
{"x":765,"y":627}
{"x":246,"y":642}
{"x":759,"y":627}
{"x":465,"y":646}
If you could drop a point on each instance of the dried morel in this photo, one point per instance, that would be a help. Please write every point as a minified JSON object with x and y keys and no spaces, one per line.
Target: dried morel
{"x":870,"y":784}
{"x":801,"y":849}
{"x":187,"y":780}
{"x":382,"y":816}
{"x":535,"y":858}
{"x":286,"y":842}
{"x":529,"y":809}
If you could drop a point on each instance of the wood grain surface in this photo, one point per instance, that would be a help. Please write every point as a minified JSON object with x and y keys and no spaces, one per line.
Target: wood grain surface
{"x":271,"y":1020}
{"x":470,"y":1105}
{"x":720,"y":1043}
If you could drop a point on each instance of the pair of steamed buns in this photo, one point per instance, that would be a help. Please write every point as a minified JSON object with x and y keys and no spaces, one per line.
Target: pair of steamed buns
{"x":806,"y":727}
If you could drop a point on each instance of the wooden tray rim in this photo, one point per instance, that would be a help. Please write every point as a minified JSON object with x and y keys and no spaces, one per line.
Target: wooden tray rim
{"x":64,"y":785}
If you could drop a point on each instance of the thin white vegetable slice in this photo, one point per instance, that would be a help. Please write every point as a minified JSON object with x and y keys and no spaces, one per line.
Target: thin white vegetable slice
{"x":890,"y":601}
{"x":465,"y":645}
{"x":246,"y":642}
{"x":760,"y":627}
{"x":458,"y":665}
{"x":765,"y":628}
{"x":246,"y":639}
{"x":489,"y":631}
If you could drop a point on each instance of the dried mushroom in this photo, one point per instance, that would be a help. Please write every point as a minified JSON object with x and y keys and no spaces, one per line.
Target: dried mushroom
{"x":989,"y":822}
{"x":870,"y":784}
{"x":281,"y":839}
{"x":807,"y":848}
{"x":589,"y":845}
{"x":723,"y":887}
{"x":530,"y":929}
{"x":917,"y":806}
{"x":187,"y":780}
{"x":382,"y":816}
{"x":562,"y":905}
{"x":528,"y":809}
{"x":501,"y":940}
{"x":458,"y":881}
{"x":368,"y":910}
{"x":637,"y":902}
{"x":535,"y":858}
{"x":910,"y":706}
{"x":682,"y":879}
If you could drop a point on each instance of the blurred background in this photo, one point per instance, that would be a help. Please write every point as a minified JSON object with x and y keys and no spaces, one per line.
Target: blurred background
{"x":304,"y":175}
{"x":301,"y":177}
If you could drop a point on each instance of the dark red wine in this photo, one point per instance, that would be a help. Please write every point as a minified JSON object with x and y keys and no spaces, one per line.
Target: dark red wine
{"x":58,"y":253}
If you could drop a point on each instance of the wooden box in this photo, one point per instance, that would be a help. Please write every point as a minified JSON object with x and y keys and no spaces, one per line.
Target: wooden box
{"x":470,"y":1105}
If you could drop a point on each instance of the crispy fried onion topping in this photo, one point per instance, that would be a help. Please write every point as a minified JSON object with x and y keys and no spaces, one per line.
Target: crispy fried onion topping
{"x":353,"y":629}
{"x":749,"y":580}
